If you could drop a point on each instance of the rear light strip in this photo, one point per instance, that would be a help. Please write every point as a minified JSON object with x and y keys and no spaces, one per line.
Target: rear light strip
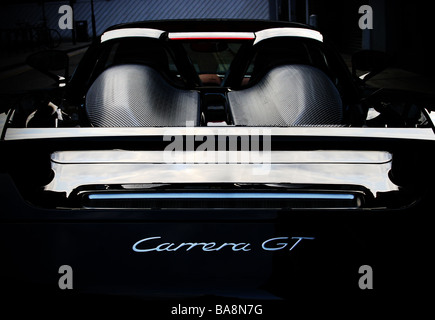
{"x":222,"y":200}
{"x":221,"y":195}
{"x":211,"y":35}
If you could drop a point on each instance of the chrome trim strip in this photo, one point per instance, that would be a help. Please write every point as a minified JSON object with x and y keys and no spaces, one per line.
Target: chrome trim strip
{"x":287,"y":32}
{"x":223,"y":195}
{"x":431,"y":116}
{"x":126,"y":156}
{"x":55,"y":133}
{"x":131,"y":32}
{"x":372,"y":176}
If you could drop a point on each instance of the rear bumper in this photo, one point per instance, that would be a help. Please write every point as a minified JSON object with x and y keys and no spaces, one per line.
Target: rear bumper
{"x":265,"y":255}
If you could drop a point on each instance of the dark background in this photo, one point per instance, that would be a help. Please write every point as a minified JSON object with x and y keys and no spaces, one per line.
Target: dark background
{"x":402,"y":29}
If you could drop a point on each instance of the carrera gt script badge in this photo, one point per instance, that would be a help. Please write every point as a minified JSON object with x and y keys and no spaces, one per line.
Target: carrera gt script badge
{"x":273,"y":244}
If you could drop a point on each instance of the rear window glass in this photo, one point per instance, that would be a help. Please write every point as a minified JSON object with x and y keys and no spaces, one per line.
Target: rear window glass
{"x":211,"y":56}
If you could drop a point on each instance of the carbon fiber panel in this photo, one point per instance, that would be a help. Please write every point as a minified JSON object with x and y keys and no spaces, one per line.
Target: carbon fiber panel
{"x":289,"y":95}
{"x":138,"y":96}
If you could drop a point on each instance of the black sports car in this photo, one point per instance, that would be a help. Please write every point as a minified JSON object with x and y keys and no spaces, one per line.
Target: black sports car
{"x":214,"y":163}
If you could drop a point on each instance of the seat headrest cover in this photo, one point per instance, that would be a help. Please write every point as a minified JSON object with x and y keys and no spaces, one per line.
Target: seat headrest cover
{"x":138,"y":96}
{"x":288,"y":95}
